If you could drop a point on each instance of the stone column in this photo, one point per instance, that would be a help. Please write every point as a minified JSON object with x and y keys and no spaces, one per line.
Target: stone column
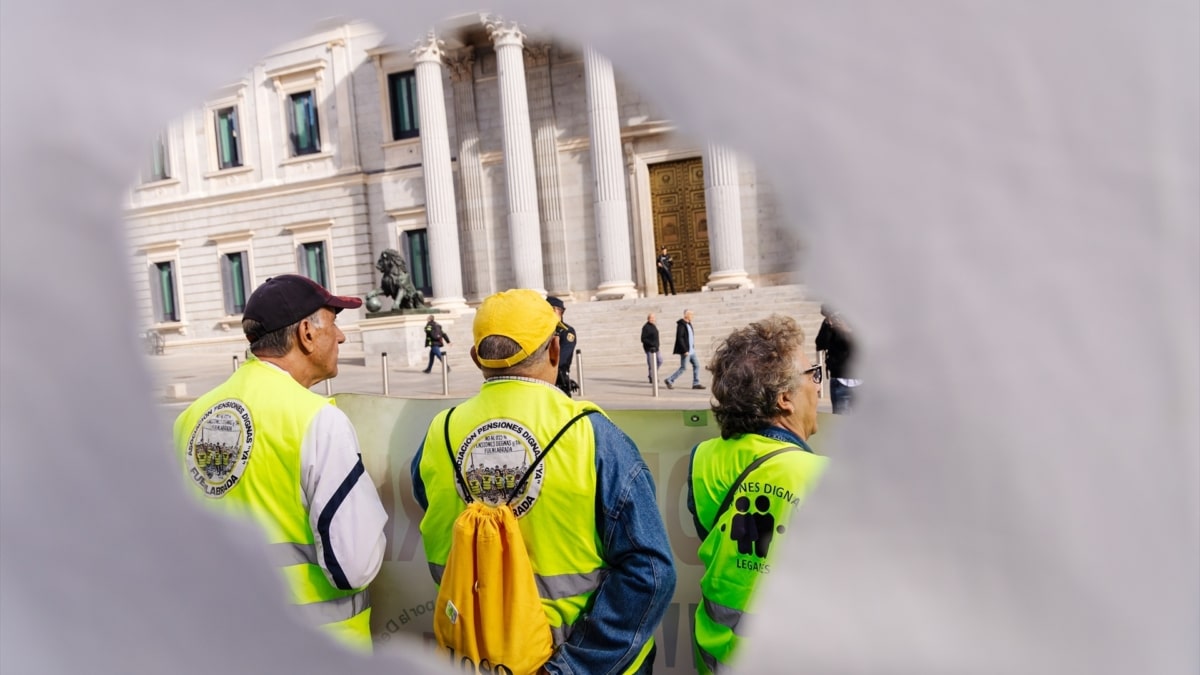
{"x":520,"y":177}
{"x":611,"y":207}
{"x":440,"y":212}
{"x":723,"y":201}
{"x":479,"y":276}
{"x":545,"y":147}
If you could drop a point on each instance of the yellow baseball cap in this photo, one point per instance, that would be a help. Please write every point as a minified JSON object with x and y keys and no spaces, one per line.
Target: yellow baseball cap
{"x":520,"y":314}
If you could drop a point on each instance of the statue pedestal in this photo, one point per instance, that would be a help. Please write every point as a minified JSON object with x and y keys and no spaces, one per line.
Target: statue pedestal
{"x":402,"y":335}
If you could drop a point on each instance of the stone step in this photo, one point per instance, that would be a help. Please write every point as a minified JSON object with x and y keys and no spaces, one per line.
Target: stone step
{"x":609,"y":331}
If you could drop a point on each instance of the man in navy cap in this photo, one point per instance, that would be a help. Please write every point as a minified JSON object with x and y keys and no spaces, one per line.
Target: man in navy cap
{"x":566,"y":339}
{"x":263,"y":446}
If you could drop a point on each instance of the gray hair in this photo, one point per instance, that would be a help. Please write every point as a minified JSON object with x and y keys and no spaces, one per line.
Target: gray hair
{"x":751,"y":368}
{"x":276,"y":343}
{"x":501,"y":347}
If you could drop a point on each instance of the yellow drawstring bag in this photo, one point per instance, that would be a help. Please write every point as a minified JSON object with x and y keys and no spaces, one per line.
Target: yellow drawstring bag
{"x":488,"y":615}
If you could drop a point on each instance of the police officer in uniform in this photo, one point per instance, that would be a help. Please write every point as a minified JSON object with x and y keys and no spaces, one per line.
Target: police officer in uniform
{"x":566,"y":340}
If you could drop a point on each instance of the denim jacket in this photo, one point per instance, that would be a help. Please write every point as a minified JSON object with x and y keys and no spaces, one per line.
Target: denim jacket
{"x":640,"y":581}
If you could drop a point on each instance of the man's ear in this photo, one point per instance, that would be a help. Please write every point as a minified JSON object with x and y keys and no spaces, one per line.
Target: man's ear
{"x":785,"y":403}
{"x":306,"y":336}
{"x":554,"y":351}
{"x":475,"y":358}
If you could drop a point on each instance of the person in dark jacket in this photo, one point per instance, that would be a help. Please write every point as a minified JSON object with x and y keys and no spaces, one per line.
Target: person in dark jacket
{"x":567,"y":344}
{"x":650,"y":346}
{"x":685,"y":347}
{"x":836,"y":340}
{"x":435,"y":339}
{"x":664,"y":271}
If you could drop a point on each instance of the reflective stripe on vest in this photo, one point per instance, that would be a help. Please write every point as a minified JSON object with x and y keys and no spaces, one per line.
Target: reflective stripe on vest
{"x":554,"y":587}
{"x":725,"y":616}
{"x":335,"y":609}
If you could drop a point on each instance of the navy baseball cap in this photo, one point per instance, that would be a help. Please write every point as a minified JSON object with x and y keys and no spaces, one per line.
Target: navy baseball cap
{"x":555,"y":302}
{"x":283,"y":300}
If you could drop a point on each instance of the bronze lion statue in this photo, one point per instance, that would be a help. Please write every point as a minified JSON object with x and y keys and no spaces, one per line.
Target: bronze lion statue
{"x":396,"y":283}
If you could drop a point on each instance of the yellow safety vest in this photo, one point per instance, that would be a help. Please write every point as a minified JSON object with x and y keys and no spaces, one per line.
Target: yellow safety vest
{"x":240,"y":448}
{"x":739,"y":549}
{"x":563,"y":544}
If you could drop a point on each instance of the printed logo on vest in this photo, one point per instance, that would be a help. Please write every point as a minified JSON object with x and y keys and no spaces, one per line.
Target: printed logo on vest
{"x":494,"y":457}
{"x":219,"y":448}
{"x":753,"y":531}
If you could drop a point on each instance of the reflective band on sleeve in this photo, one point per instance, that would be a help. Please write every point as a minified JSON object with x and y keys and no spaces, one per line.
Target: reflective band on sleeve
{"x":286,"y":554}
{"x":562,"y":586}
{"x":337,"y":609}
{"x":710,"y":661}
{"x":560,"y":634}
{"x":726,"y":616}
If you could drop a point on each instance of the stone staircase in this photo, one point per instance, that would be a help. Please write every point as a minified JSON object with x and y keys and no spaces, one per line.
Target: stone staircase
{"x":610,"y":330}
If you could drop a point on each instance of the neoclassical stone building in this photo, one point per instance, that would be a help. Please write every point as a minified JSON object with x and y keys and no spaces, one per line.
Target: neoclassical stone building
{"x":489,"y":157}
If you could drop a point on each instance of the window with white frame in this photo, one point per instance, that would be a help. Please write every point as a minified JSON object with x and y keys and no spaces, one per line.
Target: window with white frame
{"x":235,"y":258}
{"x":312,"y":262}
{"x":416,"y":246}
{"x":162,"y":266}
{"x":228,"y":137}
{"x":235,"y":275}
{"x":314,"y":244}
{"x":402,"y":104}
{"x":160,"y":166}
{"x":167,"y":305}
{"x":304,"y":130}
{"x":299,"y":87}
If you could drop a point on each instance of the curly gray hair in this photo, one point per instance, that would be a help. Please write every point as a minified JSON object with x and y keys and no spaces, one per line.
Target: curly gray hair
{"x":751,"y":368}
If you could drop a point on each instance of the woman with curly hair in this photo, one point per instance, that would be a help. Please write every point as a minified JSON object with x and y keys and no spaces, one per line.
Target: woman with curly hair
{"x":744,"y":486}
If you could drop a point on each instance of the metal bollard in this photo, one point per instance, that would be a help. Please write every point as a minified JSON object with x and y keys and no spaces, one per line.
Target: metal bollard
{"x":329,"y":387}
{"x":445,"y":361}
{"x":654,"y":370}
{"x":579,"y":369}
{"x":824,"y":375}
{"x":386,"y":384}
{"x":235,"y":363}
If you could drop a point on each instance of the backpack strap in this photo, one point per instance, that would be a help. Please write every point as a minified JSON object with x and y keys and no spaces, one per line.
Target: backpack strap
{"x":529,"y":472}
{"x":521,"y":484}
{"x":728,"y":501}
{"x":453,"y":462}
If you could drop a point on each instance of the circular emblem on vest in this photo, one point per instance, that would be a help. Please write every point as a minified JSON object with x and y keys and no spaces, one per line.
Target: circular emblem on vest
{"x":219,"y":448}
{"x":494,"y":458}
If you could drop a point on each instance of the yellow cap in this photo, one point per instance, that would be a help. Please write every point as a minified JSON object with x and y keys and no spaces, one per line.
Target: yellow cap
{"x":522,"y":315}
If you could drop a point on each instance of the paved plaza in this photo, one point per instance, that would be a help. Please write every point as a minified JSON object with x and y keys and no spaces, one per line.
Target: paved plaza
{"x":611,"y":387}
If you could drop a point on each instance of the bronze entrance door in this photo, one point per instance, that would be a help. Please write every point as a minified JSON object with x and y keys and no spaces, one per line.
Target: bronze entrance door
{"x":680,"y":220}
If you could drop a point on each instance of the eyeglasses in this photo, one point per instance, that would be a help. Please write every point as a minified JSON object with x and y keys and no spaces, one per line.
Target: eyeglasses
{"x":816,"y":374}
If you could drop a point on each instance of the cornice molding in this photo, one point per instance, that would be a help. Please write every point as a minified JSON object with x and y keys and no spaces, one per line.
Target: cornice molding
{"x":276,"y":190}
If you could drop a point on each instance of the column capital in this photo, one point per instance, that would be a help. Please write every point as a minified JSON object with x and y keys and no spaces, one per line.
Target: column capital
{"x":504,"y":33}
{"x":461,"y":64}
{"x":537,"y":54}
{"x":428,"y":49}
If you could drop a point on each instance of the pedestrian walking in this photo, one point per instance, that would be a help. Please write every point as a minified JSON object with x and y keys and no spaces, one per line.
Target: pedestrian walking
{"x":650,"y":346}
{"x":435,"y":339}
{"x":685,"y":347}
